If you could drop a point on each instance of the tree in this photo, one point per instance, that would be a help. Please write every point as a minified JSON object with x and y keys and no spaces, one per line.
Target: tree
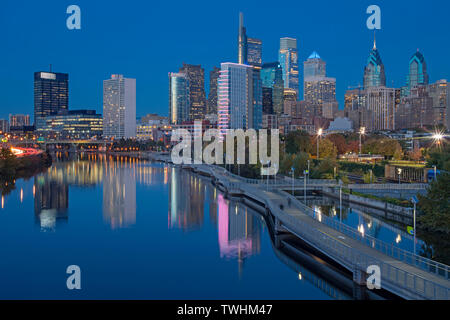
{"x":339,"y":142}
{"x":327,"y":149}
{"x":298,"y":141}
{"x":8,"y":164}
{"x":389,"y":148}
{"x":435,"y":206}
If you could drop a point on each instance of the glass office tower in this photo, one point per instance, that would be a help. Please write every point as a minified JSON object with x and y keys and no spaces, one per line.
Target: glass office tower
{"x":374,"y":75}
{"x":288,"y":57}
{"x":51,"y":95}
{"x":272,"y":78}
{"x":179,"y":106}
{"x":417,"y":72}
{"x":197,"y":97}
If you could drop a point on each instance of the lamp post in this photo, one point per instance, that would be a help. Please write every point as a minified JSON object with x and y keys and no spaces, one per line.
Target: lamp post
{"x":340,"y":200}
{"x":293,"y":180}
{"x":414,"y":201}
{"x":362,"y":131}
{"x":319,"y":133}
{"x":399,"y":171}
{"x":304,"y":189}
{"x":434,"y":167}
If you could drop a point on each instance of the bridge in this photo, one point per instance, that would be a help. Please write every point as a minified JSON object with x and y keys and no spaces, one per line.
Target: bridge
{"x":403,"y":273}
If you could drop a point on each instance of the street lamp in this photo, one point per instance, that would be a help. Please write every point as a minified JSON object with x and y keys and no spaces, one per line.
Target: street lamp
{"x":434,"y":167}
{"x":399,"y":171}
{"x":414,"y":201}
{"x":319,"y":133}
{"x":438,"y":138}
{"x":304,"y":188}
{"x":340,"y":200}
{"x":293,"y":180}
{"x":362,"y":131}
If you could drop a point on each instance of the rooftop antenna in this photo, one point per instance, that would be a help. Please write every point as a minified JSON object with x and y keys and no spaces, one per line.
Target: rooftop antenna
{"x":374,"y":40}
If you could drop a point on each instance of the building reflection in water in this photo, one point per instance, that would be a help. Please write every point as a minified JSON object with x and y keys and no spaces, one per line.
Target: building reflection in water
{"x":239,"y":232}
{"x":119,"y":194}
{"x":187,"y":199}
{"x":51,"y":202}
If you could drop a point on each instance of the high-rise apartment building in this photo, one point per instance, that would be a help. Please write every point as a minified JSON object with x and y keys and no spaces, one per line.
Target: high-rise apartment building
{"x":179,"y":103}
{"x":440,"y":93}
{"x":212,"y":96}
{"x":19,"y":120}
{"x":382,"y":103}
{"x":239,"y":97}
{"x":4,"y":125}
{"x":196,"y":77}
{"x":272,"y":80}
{"x":119,"y":107}
{"x":288,"y":58}
{"x":318,"y":90}
{"x":51,"y":95}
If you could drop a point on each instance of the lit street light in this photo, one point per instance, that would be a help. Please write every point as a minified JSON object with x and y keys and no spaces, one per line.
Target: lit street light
{"x":399,"y":171}
{"x":362,"y":132}
{"x":319,"y":133}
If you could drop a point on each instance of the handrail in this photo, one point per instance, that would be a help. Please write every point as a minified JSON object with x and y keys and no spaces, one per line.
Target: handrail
{"x":423,"y":263}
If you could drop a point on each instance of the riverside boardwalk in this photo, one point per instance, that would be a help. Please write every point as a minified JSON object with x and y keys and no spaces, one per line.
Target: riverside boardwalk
{"x":402,"y":273}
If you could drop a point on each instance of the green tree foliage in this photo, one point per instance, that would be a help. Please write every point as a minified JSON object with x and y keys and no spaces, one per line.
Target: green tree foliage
{"x":435,"y":206}
{"x":298,"y":141}
{"x":327,"y":149}
{"x":440,"y":158}
{"x":389,"y":148}
{"x":8,"y":164}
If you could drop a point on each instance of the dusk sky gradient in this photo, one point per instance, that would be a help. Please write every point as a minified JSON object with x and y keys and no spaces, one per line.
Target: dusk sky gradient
{"x":147,"y":39}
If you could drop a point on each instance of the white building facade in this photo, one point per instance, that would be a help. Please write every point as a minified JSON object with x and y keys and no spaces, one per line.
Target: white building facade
{"x":119,"y":107}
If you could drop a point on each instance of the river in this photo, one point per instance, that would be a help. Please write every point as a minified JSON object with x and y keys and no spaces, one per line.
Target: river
{"x":144,"y":230}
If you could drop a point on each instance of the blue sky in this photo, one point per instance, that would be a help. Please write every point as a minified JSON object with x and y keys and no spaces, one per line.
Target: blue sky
{"x":147,"y":39}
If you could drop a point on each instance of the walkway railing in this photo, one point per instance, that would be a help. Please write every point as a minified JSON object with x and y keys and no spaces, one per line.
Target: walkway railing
{"x":410,"y":258}
{"x":393,"y":276}
{"x":390,"y":186}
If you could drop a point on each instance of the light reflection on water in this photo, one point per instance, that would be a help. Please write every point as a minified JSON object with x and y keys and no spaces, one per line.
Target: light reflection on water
{"x":155,"y":231}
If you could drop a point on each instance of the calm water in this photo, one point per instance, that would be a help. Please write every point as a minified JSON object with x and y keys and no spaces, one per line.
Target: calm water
{"x":139,"y":230}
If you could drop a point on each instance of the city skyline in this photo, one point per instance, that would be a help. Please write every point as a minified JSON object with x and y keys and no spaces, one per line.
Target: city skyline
{"x":343,"y":57}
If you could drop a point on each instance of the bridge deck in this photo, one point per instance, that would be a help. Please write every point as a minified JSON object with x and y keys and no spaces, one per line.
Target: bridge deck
{"x":398,"y":277}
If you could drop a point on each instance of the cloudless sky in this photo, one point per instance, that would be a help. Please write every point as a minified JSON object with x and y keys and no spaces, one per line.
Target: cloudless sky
{"x":147,"y":39}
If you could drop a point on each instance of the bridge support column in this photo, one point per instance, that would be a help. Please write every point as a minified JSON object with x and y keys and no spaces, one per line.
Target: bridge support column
{"x":359,"y":284}
{"x":278,"y":227}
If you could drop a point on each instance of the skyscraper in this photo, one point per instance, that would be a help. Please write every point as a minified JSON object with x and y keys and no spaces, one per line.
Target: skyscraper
{"x":239,"y":98}
{"x":318,"y":90}
{"x":179,"y":106}
{"x":249,"y":49}
{"x":382,"y":106}
{"x":242,"y":40}
{"x":254,"y":52}
{"x":417,"y":72}
{"x":212,"y":96}
{"x":272,"y":78}
{"x":51,"y":95}
{"x":374,"y":75}
{"x":119,"y":107}
{"x":314,"y":66}
{"x":288,"y":57}
{"x":196,"y":77}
